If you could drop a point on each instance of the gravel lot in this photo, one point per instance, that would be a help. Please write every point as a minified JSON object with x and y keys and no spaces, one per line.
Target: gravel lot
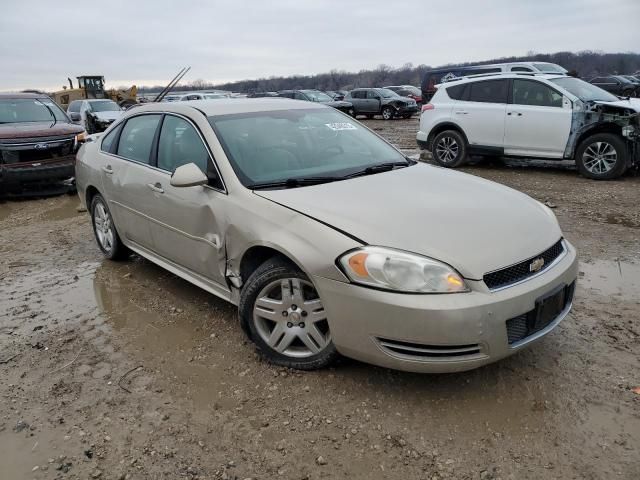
{"x":122,"y":370}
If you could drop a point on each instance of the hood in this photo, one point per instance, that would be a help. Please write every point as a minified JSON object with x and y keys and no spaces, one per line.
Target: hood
{"x":339,"y":104}
{"x":37,"y":129}
{"x":632,"y":103}
{"x":110,"y":115}
{"x":472,"y":224}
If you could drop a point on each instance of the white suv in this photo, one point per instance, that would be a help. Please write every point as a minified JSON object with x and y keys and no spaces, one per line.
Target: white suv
{"x":527,"y":115}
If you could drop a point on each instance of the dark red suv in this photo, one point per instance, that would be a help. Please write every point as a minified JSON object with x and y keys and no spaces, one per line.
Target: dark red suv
{"x":38,"y":143}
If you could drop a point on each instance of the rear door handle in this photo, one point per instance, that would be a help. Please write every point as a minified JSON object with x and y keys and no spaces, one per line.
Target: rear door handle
{"x":108,"y":170}
{"x":156,"y":187}
{"x":461,"y":112}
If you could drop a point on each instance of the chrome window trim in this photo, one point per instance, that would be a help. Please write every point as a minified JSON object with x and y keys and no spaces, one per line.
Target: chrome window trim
{"x":160,"y":170}
{"x":564,"y":253}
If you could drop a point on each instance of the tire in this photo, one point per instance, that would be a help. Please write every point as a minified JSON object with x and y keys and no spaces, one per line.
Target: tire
{"x":602,"y":156}
{"x":105,"y":230}
{"x":388,"y":113}
{"x":284,"y":332}
{"x":449,"y":149}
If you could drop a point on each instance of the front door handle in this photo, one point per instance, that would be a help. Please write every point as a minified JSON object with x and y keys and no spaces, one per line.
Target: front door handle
{"x":461,"y":112}
{"x":514,"y":113}
{"x":156,"y":187}
{"x":108,"y":170}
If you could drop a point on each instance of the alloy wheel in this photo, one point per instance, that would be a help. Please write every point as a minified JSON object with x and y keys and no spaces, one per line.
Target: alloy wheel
{"x":387,"y":114}
{"x":103,"y":226}
{"x":289,"y":316}
{"x":599,"y":157}
{"x":447,"y":149}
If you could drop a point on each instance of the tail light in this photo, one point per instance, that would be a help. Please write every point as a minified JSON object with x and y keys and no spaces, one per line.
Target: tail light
{"x":427,"y":106}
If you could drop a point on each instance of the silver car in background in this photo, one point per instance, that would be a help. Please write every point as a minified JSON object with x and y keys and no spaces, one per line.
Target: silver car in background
{"x":327,"y":238}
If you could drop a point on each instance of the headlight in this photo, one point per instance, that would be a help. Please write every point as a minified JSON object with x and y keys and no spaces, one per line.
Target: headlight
{"x":81,"y":137}
{"x":401,"y":271}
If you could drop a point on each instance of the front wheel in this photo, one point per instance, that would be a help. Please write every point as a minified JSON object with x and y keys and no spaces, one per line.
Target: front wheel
{"x":387,"y":113}
{"x":283,"y":314}
{"x":602,"y":156}
{"x":449,"y":149}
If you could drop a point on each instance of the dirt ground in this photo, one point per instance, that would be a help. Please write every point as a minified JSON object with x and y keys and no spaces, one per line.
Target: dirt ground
{"x":123,"y":371}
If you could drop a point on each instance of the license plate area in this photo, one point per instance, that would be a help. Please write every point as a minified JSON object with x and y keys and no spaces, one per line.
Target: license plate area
{"x":548,"y":308}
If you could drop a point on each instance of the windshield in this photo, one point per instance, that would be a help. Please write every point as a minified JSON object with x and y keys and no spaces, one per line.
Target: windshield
{"x":22,"y":110}
{"x":104,"y":106}
{"x":622,"y":79}
{"x":386,"y":93}
{"x":584,"y":90}
{"x":549,"y":68}
{"x":316,"y":96}
{"x":292,"y":144}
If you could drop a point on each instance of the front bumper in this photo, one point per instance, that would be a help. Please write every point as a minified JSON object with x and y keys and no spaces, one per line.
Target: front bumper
{"x":47,"y":178}
{"x":449,"y":332}
{"x":408,"y":110}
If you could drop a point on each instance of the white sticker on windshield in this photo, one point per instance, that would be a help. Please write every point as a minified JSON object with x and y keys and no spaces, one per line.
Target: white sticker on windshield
{"x":341,"y":126}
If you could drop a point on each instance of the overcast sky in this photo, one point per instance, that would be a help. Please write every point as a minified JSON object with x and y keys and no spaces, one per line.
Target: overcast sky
{"x":42,"y":42}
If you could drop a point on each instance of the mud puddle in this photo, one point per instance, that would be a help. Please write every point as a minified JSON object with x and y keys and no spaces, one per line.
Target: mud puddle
{"x":616,"y":278}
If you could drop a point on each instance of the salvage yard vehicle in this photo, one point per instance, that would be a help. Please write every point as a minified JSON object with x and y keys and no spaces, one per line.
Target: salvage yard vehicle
{"x":614,"y":84}
{"x":541,"y":116}
{"x":440,"y":75}
{"x":408,"y":91}
{"x":321,"y":97}
{"x":37,"y":145}
{"x":94,"y":115}
{"x":328,"y":239}
{"x":381,"y":101}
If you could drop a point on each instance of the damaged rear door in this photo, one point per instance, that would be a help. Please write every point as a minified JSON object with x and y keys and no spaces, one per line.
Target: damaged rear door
{"x":188,"y":220}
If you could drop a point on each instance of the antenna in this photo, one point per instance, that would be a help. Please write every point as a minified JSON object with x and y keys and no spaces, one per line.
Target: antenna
{"x":171,"y":84}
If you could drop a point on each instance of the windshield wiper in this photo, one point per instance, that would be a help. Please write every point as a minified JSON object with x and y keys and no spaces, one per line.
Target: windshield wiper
{"x":55,"y":120}
{"x":293,"y":182}
{"x":381,"y":167}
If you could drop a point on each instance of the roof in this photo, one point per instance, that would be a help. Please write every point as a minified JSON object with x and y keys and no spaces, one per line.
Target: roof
{"x":489,"y":76}
{"x":226,"y":106}
{"x":22,"y":95}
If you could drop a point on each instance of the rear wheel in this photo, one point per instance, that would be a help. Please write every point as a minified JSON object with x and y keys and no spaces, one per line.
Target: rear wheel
{"x":387,"y":113}
{"x":283,"y":314}
{"x":105,"y":230}
{"x":602,"y":156}
{"x":449,"y":149}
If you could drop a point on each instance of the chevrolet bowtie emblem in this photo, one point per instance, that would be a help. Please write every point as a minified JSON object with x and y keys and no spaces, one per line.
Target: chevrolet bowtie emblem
{"x":536,"y":265}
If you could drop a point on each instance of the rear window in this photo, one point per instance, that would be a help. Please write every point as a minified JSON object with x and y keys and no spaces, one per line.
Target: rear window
{"x":488,"y":91}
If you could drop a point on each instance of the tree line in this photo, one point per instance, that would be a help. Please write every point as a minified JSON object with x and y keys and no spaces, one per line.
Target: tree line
{"x":586,"y":64}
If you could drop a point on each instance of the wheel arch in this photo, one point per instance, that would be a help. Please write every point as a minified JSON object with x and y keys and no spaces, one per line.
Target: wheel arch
{"x":441,"y":127}
{"x":607,"y":127}
{"x":90,"y":192}
{"x":256,"y":255}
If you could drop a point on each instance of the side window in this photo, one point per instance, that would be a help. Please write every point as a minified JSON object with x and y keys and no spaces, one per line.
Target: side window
{"x":526,"y":92}
{"x":109,"y":138}
{"x":299,"y":96}
{"x":488,"y":91}
{"x":521,"y":69}
{"x":180,"y":144}
{"x":137,"y":138}
{"x":457,"y":92}
{"x":74,"y":106}
{"x":359,"y":94}
{"x":372,"y":94}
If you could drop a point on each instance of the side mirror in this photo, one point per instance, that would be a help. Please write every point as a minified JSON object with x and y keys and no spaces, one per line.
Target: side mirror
{"x":75,"y":116}
{"x":188,"y":175}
